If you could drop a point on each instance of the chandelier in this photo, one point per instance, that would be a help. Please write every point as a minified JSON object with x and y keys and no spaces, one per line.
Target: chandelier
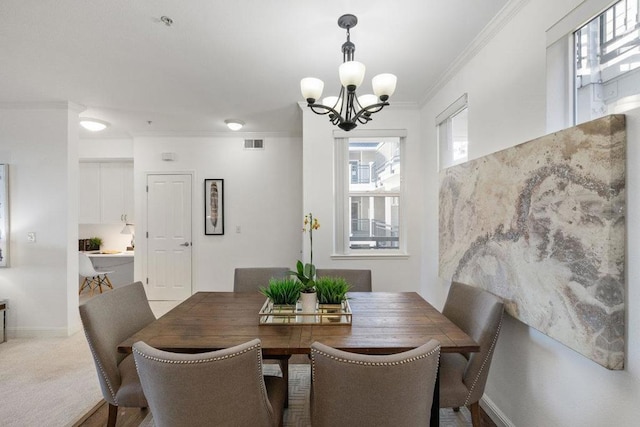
{"x":347,"y":110}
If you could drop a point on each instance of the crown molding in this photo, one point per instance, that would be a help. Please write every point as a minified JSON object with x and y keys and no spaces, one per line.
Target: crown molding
{"x":503,"y":17}
{"x":208,"y":134}
{"x":53,"y":105}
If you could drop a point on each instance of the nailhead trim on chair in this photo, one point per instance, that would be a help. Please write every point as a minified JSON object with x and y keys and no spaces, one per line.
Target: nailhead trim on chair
{"x":360,"y":362}
{"x":484,"y":362}
{"x":190,"y":362}
{"x":104,"y":375}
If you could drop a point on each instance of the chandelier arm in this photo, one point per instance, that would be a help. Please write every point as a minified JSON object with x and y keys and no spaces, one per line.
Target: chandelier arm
{"x":323,"y":107}
{"x":366,"y":112}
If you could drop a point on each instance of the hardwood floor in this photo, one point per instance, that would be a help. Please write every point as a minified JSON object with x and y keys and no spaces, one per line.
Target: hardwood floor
{"x":132,"y":417}
{"x":97,"y":416}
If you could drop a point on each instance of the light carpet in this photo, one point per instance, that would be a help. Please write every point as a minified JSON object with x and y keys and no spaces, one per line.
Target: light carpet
{"x":46,"y":381}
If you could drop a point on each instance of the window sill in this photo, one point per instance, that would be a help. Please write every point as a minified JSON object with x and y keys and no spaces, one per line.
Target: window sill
{"x":370,"y":255}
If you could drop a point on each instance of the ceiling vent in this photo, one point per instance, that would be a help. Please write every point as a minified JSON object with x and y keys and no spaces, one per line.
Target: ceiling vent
{"x":254,"y":144}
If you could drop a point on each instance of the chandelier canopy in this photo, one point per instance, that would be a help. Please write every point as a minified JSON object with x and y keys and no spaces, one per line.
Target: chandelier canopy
{"x":347,"y":109}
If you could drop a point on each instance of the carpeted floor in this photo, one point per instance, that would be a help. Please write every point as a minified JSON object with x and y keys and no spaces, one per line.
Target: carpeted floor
{"x":52,"y":379}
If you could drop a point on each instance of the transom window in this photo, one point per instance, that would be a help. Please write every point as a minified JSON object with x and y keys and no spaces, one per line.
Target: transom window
{"x":607,"y":62}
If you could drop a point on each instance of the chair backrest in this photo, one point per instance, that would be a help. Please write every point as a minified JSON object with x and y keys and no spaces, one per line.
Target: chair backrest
{"x":356,"y":389}
{"x":250,"y":279}
{"x":224,"y":387}
{"x":109,"y":319}
{"x":360,"y":280}
{"x":85,"y":266}
{"x":478,"y":313}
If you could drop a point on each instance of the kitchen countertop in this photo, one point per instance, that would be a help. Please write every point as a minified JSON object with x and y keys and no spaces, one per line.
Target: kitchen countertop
{"x":98,"y":254}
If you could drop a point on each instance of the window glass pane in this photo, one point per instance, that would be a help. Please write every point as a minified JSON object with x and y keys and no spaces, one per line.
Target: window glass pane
{"x":607,"y":63}
{"x":374,"y":222}
{"x":453,"y":139}
{"x":373,"y":194}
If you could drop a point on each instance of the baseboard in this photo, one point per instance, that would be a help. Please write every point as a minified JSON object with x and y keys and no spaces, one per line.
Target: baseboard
{"x":37,"y":333}
{"x":496,"y":415}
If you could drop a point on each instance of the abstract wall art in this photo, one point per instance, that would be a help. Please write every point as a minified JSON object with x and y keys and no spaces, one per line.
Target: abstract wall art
{"x":4,"y":215}
{"x":214,"y":206}
{"x":542,"y":225}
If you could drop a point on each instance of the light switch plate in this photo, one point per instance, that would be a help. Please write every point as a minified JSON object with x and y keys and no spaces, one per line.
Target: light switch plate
{"x":31,"y":236}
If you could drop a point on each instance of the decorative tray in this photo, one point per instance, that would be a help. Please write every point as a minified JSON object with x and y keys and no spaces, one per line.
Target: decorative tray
{"x":325,"y":314}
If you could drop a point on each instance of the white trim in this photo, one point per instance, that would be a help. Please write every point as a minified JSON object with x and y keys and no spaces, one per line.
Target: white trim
{"x":575,"y":19}
{"x":370,"y":133}
{"x":207,"y":134}
{"x":496,"y":415}
{"x":27,"y":332}
{"x":365,"y":256}
{"x":455,"y":107}
{"x":494,"y":26}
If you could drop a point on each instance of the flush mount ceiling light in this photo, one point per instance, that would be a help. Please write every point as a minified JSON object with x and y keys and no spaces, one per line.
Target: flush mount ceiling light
{"x":347,"y":110}
{"x":234,"y":124}
{"x":94,"y":125}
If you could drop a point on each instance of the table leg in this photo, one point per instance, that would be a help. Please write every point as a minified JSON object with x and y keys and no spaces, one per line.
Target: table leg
{"x":435,"y":404}
{"x":284,"y":367}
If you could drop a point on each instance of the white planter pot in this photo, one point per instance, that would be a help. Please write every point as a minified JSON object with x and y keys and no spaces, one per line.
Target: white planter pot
{"x":308,"y":305}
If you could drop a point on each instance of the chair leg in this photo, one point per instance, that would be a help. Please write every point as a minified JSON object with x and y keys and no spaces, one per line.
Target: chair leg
{"x":99,"y":282}
{"x":82,"y":286}
{"x":107,"y":281}
{"x":475,"y":414}
{"x":113,"y":415}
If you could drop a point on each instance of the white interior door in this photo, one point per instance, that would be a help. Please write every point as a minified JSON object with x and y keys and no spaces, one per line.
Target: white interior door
{"x":169,"y":239}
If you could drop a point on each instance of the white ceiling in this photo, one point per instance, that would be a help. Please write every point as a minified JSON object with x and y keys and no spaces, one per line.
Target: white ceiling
{"x":221,"y":58}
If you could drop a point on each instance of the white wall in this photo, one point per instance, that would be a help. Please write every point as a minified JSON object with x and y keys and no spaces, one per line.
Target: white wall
{"x":534,"y":380}
{"x":262,"y":196}
{"x":389,"y":274}
{"x":40,"y":145}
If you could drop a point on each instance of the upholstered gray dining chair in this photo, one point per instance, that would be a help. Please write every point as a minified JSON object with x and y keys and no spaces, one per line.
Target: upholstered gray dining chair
{"x":360,"y":280}
{"x":464,"y":376}
{"x":109,"y":319}
{"x":349,"y":389}
{"x":251,"y":278}
{"x":217,"y":388}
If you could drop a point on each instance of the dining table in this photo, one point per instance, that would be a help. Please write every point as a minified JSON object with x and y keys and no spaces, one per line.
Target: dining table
{"x":380,"y":323}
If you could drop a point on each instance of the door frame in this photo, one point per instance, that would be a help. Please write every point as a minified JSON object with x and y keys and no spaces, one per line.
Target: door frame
{"x":141,"y":268}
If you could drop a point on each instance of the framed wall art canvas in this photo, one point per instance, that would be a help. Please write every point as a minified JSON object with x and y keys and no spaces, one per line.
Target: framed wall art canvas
{"x":214,"y":206}
{"x":4,"y":215}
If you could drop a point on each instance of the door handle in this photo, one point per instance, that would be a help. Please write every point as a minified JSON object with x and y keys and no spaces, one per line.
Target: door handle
{"x":184,"y":244}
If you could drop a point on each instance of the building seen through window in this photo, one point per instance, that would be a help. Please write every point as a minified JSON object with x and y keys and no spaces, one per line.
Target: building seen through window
{"x":607,"y":63}
{"x":374,"y":193}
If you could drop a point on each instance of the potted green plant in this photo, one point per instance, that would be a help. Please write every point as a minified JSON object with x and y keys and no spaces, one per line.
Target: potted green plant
{"x":95,"y":243}
{"x":332,"y":292}
{"x":283,"y":293}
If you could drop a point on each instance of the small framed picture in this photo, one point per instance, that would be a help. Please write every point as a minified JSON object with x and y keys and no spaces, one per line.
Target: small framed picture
{"x":4,"y":215}
{"x":214,"y":206}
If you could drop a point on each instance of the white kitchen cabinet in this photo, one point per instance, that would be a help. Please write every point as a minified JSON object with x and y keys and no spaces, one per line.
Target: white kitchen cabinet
{"x":116,"y":192}
{"x":106,"y":193}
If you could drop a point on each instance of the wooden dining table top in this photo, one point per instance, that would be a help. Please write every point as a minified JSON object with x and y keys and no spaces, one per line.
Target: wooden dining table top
{"x":382,"y":323}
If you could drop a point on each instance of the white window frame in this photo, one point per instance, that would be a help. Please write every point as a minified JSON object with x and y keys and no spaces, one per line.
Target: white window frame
{"x":560,"y":63}
{"x":342,"y":249}
{"x":445,"y":119}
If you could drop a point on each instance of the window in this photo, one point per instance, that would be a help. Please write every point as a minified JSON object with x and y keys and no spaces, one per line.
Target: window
{"x":453,"y":135}
{"x":607,"y":62}
{"x":369,"y":195}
